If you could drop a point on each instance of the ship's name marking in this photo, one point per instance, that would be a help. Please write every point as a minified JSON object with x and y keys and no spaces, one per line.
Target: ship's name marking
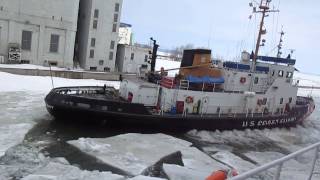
{"x":273,"y":122}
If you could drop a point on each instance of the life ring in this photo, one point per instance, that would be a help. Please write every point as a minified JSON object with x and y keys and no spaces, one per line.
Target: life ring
{"x":189,"y":99}
{"x":243,"y":80}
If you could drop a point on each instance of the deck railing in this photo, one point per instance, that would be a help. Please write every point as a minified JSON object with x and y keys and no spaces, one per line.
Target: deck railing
{"x":280,"y":163}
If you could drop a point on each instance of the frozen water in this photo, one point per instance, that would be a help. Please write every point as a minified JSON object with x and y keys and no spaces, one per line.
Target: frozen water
{"x":12,"y":135}
{"x":140,"y":177}
{"x":134,"y":153}
{"x":57,"y":171}
{"x":177,"y":172}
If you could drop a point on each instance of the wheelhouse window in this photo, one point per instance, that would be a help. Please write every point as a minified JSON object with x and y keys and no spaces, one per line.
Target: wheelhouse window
{"x":54,"y":43}
{"x":280,"y":73}
{"x":290,"y":100}
{"x":289,"y":74}
{"x":26,"y":40}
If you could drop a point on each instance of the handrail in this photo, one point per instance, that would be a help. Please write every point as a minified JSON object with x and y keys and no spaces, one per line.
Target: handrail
{"x":280,"y":162}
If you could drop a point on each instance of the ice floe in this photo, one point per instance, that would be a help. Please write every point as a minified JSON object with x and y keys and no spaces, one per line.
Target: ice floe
{"x":135,"y":153}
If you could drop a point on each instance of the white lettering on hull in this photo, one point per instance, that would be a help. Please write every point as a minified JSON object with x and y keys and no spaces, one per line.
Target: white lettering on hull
{"x":267,"y":123}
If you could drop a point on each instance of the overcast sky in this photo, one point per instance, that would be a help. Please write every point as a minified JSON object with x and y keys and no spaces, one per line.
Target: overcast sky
{"x":224,"y":27}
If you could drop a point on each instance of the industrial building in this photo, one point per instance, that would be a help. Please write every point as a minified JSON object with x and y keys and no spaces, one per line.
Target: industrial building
{"x":97,"y":36}
{"x":133,"y":58}
{"x":38,"y":31}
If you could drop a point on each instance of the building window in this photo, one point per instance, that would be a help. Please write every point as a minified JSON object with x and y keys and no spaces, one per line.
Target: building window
{"x":95,"y":24}
{"x":93,"y":68}
{"x":101,"y":62}
{"x":146,"y":58}
{"x":112,"y":44}
{"x":117,"y":7}
{"x":96,"y":13}
{"x":91,"y":55}
{"x":54,"y":43}
{"x":111,"y":56}
{"x":93,"y":42}
{"x":115,"y":17}
{"x":114,"y":28}
{"x":281,"y":101}
{"x":132,"y":56}
{"x":106,"y":69}
{"x":26,"y":40}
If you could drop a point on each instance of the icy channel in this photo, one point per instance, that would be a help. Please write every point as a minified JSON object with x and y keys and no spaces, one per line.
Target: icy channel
{"x":134,"y":153}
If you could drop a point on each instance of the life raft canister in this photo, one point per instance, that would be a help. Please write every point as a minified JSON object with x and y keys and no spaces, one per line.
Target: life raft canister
{"x":189,"y":99}
{"x":243,"y":80}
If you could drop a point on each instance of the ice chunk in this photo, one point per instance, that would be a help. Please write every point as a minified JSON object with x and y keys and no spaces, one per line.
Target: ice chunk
{"x":176,"y":172}
{"x":140,"y":177}
{"x":57,"y":171}
{"x":12,"y":135}
{"x":134,"y":153}
{"x":234,"y":161}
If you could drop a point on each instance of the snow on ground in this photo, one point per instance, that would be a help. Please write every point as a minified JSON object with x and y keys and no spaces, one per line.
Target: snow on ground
{"x":10,"y":82}
{"x":167,"y":64}
{"x":30,"y":66}
{"x":134,"y":153}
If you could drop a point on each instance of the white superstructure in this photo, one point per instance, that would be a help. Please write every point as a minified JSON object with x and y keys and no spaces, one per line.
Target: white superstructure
{"x":44,"y":30}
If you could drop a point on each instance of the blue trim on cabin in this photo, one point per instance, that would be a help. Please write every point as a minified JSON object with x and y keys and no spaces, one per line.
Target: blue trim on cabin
{"x":245,"y":67}
{"x":205,"y":79}
{"x":277,"y":60}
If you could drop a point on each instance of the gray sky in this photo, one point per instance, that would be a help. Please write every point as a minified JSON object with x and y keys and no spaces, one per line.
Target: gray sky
{"x":224,"y":26}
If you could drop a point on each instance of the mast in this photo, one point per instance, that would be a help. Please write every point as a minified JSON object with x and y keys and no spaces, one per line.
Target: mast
{"x":263,"y":9}
{"x":280,"y":44}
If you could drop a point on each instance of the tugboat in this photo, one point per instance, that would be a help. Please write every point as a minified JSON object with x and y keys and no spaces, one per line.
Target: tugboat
{"x":257,"y":92}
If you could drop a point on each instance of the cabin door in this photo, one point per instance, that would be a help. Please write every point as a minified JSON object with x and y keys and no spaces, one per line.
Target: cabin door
{"x":205,"y":105}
